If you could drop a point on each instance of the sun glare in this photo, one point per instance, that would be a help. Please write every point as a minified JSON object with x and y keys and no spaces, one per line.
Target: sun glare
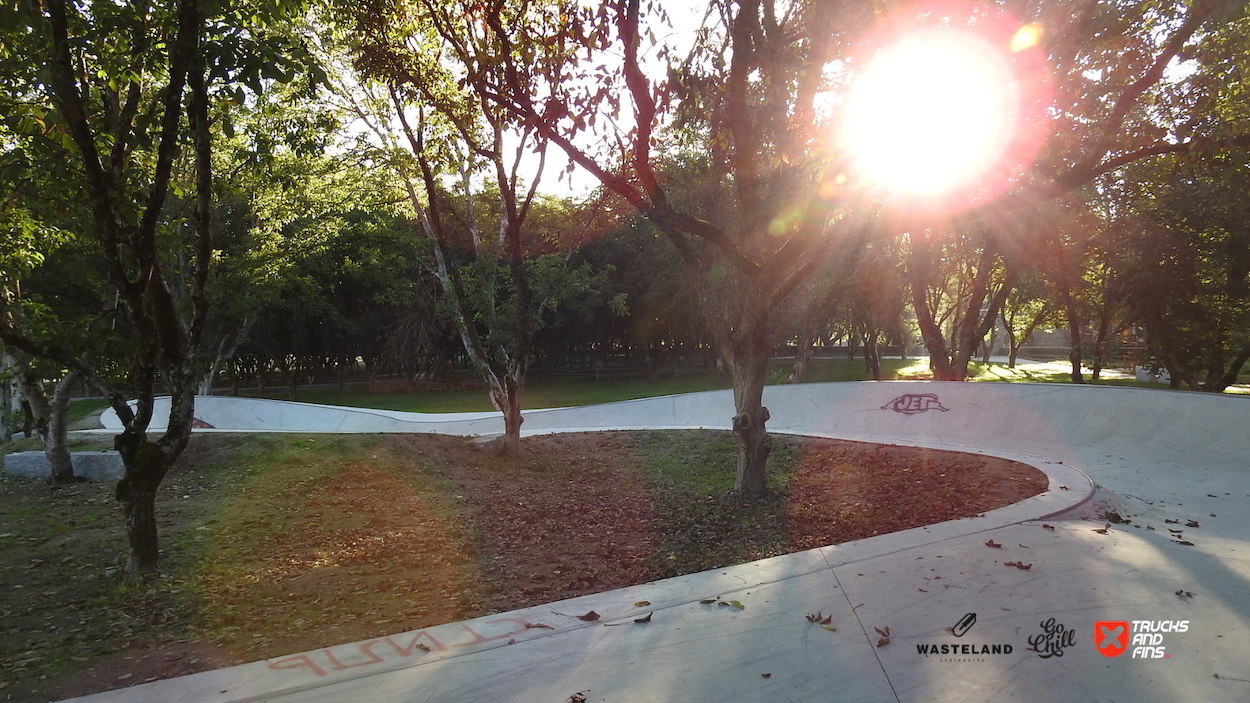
{"x":937,"y":114}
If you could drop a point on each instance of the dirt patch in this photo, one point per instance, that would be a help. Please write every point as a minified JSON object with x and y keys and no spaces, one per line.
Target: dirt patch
{"x":844,"y":491}
{"x":572,"y":517}
{"x":282,"y":543}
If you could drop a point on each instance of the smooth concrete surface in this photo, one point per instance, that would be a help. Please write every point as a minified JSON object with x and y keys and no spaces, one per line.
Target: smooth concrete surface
{"x":1160,"y":459}
{"x":93,"y":466}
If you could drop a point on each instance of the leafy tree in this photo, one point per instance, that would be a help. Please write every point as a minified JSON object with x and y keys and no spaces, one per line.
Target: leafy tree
{"x":1184,"y":266}
{"x":1028,"y":307}
{"x":762,"y":225}
{"x":424,"y":77}
{"x":124,"y":87}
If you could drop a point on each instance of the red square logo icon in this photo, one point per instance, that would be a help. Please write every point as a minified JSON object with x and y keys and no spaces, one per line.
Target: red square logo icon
{"x":1111,"y":637}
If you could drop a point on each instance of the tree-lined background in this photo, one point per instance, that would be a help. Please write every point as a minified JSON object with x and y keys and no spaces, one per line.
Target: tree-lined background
{"x":208,"y":196}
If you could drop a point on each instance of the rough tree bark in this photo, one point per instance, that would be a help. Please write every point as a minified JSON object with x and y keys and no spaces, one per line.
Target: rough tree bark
{"x":746,"y":349}
{"x":48,"y":416}
{"x":803,"y":352}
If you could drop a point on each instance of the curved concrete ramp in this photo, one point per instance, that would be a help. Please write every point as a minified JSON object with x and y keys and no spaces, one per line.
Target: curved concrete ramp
{"x":1176,"y":464}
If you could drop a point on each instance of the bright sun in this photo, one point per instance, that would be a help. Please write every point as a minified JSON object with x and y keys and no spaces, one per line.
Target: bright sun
{"x":931,"y":114}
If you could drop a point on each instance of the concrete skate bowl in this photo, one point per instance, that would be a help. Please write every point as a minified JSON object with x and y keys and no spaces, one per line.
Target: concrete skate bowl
{"x":1163,"y":458}
{"x":1044,"y":417}
{"x":1128,"y":439}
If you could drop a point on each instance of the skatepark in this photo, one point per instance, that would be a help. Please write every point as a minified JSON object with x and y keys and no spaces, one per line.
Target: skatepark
{"x":1168,"y":579}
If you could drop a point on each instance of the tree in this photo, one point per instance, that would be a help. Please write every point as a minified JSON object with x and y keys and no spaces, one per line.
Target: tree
{"x":756,"y":115}
{"x":980,"y":268}
{"x":426,"y":82}
{"x":1184,"y":266}
{"x":124,"y":88}
{"x":1028,"y":306}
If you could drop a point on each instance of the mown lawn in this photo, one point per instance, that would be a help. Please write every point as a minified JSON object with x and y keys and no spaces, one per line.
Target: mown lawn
{"x":556,"y":391}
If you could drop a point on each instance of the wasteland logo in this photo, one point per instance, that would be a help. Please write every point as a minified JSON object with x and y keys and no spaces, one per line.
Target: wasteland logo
{"x":959,"y":630}
{"x":912,"y":403}
{"x":1052,"y":640}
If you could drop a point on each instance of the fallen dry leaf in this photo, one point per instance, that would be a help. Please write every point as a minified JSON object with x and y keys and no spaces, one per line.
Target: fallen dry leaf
{"x":589,"y":617}
{"x":1048,"y":527}
{"x":1191,"y":523}
{"x":1185,"y":542}
{"x":1185,"y":594}
{"x":708,"y":601}
{"x":646,"y":618}
{"x":766,"y":674}
{"x":992,"y":543}
{"x":537,"y":626}
{"x":1018,"y":565}
{"x":642,"y":603}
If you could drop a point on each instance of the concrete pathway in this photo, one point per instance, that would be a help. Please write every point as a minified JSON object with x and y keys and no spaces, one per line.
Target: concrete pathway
{"x":1162,"y":460}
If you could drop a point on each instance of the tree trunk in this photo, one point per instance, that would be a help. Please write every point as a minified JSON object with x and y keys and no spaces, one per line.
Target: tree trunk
{"x":8,"y":394}
{"x":872,"y":355}
{"x":1102,"y":342}
{"x":1069,"y":308}
{"x":145,"y":468}
{"x":745,"y":347}
{"x":749,"y":423}
{"x":48,"y":417}
{"x":505,"y":395}
{"x":988,"y":351}
{"x":1012,"y":348}
{"x":934,"y":340}
{"x":1074,"y":339}
{"x":930,"y":331}
{"x":512,"y":417}
{"x":1230,"y":376}
{"x":802,"y":354}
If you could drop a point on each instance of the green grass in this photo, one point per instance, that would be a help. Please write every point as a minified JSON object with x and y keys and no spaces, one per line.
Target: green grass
{"x":547,"y":391}
{"x":558,"y":392}
{"x":81,"y":408}
{"x":706,"y":526}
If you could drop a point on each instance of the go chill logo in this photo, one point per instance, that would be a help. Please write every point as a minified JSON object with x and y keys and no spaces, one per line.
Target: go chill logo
{"x":1112,"y":637}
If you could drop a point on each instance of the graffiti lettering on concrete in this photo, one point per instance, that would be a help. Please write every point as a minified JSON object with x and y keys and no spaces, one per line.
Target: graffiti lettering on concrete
{"x":912,"y":403}
{"x":393,"y":648}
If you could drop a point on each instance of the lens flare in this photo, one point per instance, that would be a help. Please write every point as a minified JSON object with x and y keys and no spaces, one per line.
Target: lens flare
{"x":945,"y":107}
{"x":1026,"y":37}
